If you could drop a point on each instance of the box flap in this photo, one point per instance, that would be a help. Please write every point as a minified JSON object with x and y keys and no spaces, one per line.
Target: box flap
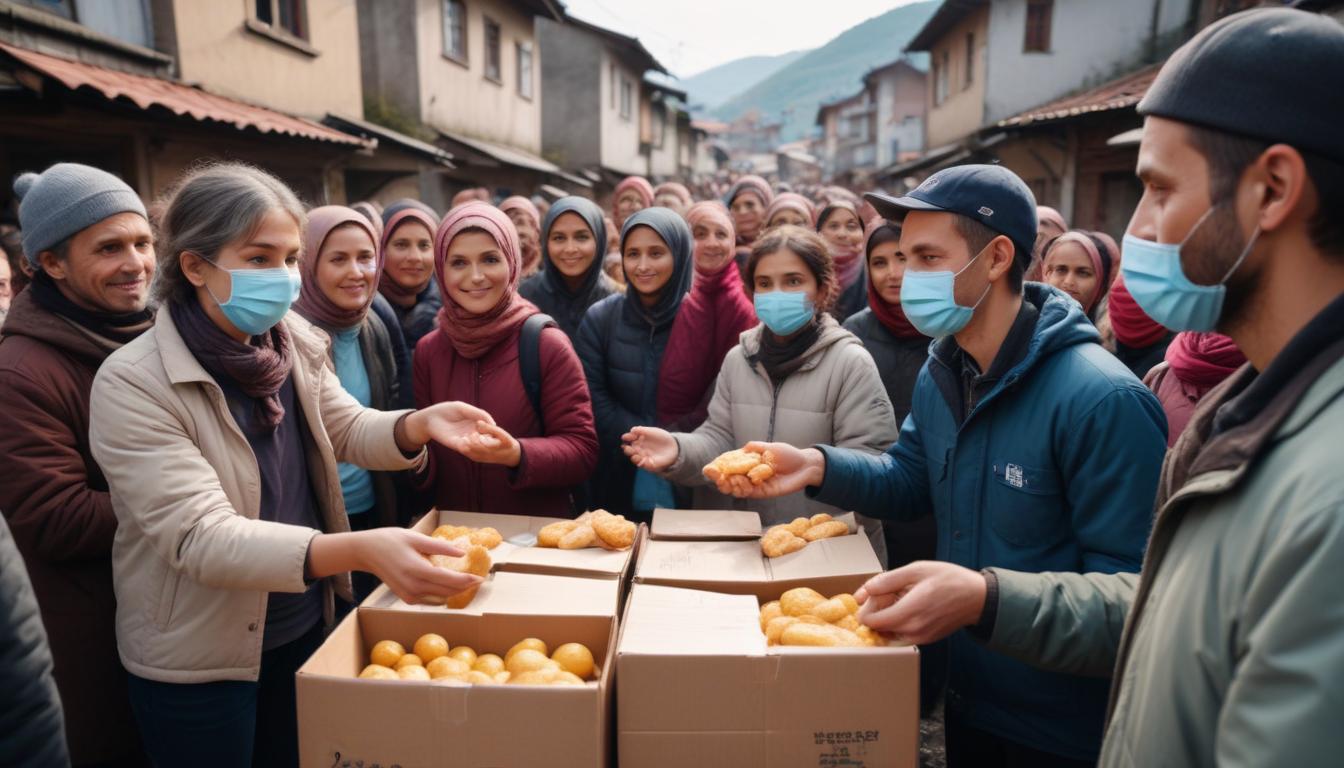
{"x":840,"y":556}
{"x":522,"y":593}
{"x":670,"y":621}
{"x":701,"y":562}
{"x":705,"y":524}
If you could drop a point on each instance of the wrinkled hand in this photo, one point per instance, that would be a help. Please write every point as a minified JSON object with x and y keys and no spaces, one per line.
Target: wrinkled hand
{"x":922,"y":602}
{"x":397,"y":557}
{"x":445,"y":423}
{"x":650,"y":448}
{"x":795,"y":469}
{"x":489,"y":445}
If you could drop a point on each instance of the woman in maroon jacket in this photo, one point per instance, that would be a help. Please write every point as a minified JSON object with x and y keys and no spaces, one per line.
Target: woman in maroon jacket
{"x":527,"y":462}
{"x":710,"y":320}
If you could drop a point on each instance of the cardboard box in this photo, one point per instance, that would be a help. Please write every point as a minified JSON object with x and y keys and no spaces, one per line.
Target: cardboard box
{"x":720,"y":551}
{"x":347,"y":721}
{"x":699,"y":686}
{"x":521,"y":593}
{"x":518,"y":553}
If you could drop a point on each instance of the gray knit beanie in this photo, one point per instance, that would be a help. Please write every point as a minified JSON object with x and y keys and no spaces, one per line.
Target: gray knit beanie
{"x":65,"y":199}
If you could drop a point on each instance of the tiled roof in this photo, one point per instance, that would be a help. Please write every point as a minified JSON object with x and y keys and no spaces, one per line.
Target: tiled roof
{"x":1121,"y":93}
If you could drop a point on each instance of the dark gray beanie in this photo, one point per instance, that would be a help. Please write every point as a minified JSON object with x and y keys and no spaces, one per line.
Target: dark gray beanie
{"x":65,"y":199}
{"x":1271,"y":74}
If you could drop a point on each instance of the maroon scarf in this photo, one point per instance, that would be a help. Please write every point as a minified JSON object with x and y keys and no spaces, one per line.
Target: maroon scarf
{"x":313,"y":303}
{"x":1132,"y":327}
{"x":1203,"y":359}
{"x":471,"y":334}
{"x":259,"y":368}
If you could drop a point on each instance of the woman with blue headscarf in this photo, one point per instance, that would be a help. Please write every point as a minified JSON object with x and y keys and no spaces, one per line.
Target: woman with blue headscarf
{"x":621,"y":343}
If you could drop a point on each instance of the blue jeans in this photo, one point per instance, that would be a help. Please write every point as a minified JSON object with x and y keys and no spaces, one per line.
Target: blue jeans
{"x":226,"y":724}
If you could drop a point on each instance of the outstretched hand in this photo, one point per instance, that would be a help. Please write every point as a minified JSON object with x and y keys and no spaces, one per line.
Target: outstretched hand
{"x":795,"y":469}
{"x":445,"y":423}
{"x":650,"y":448}
{"x":489,"y":444}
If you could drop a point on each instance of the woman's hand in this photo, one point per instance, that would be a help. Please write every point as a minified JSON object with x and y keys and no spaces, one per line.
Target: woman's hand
{"x":397,"y":556}
{"x":795,"y":469}
{"x":445,"y":423}
{"x":650,"y":448}
{"x":490,"y":445}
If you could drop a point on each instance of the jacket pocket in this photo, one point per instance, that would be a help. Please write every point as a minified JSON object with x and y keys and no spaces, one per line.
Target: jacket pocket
{"x":1024,"y":503}
{"x":167,"y":597}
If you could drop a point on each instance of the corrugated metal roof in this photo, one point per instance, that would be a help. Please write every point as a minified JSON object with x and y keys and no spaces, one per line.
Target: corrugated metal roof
{"x":180,"y":99}
{"x":1120,"y":93}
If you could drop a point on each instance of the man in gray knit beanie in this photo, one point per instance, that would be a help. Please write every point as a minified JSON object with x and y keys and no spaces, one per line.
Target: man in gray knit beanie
{"x":87,"y":237}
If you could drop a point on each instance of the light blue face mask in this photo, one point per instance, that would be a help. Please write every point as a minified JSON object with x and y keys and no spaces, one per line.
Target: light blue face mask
{"x":783,"y":312}
{"x":258,"y":298}
{"x":929,"y":300}
{"x":1155,"y":279}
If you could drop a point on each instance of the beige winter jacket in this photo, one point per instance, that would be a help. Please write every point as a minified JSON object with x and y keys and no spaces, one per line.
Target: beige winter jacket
{"x":836,"y":398}
{"x":192,"y":563}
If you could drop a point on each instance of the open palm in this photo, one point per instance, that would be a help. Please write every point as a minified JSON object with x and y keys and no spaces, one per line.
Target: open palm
{"x":453,"y":424}
{"x":794,"y":470}
{"x":650,"y":448}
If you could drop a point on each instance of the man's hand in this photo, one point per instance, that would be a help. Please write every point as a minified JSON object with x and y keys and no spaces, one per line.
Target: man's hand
{"x":922,"y":602}
{"x":795,"y":469}
{"x":650,"y":448}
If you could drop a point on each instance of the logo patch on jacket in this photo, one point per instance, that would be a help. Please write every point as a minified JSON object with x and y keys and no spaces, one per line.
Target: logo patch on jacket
{"x":1014,"y":476}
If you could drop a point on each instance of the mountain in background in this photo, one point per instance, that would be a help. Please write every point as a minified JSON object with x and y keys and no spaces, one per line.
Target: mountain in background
{"x":792,"y":94}
{"x":716,"y":85}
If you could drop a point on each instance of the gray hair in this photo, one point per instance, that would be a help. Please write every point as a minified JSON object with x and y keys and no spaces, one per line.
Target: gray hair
{"x":209,"y":208}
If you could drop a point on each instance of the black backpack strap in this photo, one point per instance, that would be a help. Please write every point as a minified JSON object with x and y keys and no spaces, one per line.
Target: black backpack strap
{"x":529,"y":361}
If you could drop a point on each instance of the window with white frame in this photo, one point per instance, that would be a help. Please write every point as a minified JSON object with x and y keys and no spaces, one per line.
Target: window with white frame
{"x":455,"y":30}
{"x":627,"y":98}
{"x":525,"y":70}
{"x":493,"y":41}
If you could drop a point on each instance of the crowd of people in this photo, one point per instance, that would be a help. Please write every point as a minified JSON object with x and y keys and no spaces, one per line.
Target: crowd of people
{"x":214,"y":416}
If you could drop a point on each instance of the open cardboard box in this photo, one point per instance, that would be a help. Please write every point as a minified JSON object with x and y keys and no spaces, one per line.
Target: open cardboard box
{"x":521,"y":593}
{"x":344,"y":720}
{"x":518,"y":552}
{"x":720,"y":551}
{"x":699,"y":686}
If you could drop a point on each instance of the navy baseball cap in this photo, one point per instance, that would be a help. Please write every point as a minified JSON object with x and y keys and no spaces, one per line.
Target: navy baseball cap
{"x":989,"y":194}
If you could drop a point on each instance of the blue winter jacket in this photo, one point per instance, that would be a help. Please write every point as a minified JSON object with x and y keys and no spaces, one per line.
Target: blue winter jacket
{"x":1055,"y":469}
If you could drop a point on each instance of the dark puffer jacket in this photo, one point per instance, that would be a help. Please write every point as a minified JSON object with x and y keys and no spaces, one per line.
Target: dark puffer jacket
{"x":898,"y":360}
{"x":32,"y":731}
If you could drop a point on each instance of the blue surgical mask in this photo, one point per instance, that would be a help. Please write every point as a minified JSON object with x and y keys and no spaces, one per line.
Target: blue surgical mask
{"x":783,"y":312}
{"x":1155,"y":279}
{"x":929,"y":300}
{"x":258,"y":298}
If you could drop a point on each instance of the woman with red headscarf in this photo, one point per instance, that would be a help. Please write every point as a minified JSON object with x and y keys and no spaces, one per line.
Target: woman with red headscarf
{"x":710,"y":320}
{"x":527,"y":462}
{"x":1195,"y":363}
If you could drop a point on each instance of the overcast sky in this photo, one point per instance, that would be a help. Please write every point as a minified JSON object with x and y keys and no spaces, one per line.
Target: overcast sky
{"x":690,"y":36}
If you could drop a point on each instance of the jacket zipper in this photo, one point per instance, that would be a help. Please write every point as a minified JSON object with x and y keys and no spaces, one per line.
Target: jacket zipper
{"x":774,"y":407}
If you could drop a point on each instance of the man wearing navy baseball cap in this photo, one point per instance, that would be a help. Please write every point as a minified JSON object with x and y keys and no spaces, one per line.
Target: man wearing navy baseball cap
{"x":1033,"y":447}
{"x":1228,"y":647}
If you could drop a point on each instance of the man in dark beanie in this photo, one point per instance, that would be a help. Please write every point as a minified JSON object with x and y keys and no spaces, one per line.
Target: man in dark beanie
{"x":89,"y":242}
{"x":1228,"y":647}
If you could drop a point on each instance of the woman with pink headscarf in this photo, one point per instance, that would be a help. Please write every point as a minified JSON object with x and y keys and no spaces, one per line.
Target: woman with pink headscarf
{"x":672,"y":195}
{"x":526,"y":218}
{"x":527,"y":461}
{"x":341,"y":268}
{"x":791,"y":208}
{"x":631,"y":196}
{"x":747,"y":201}
{"x":710,"y":320}
{"x":842,"y":229}
{"x":1079,"y":264}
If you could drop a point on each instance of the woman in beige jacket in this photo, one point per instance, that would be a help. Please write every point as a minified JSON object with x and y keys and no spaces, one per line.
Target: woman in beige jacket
{"x":797,"y":378}
{"x":219,"y":432}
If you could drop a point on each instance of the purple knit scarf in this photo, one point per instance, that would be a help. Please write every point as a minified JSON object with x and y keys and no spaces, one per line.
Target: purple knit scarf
{"x":259,"y":368}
